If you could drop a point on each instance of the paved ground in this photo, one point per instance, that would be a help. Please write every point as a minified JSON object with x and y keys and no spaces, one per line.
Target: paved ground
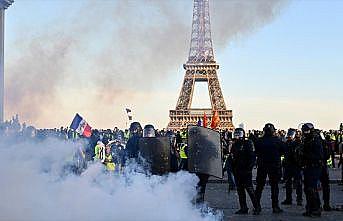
{"x":217,"y":196}
{"x":335,"y":176}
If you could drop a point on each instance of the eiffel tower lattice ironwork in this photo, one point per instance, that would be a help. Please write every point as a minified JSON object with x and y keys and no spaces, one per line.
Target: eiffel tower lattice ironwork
{"x":202,"y":67}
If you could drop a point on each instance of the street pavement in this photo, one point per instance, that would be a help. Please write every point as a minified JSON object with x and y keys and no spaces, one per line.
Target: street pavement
{"x":218,"y":197}
{"x":335,"y":176}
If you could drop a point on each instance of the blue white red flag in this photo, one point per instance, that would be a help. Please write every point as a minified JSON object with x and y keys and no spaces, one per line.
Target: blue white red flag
{"x":81,"y":126}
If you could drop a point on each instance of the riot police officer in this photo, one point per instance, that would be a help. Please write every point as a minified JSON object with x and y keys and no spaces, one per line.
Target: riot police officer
{"x":204,"y":156}
{"x":292,"y":168}
{"x":243,"y":161}
{"x":269,"y":149}
{"x":324,"y":177}
{"x":154,"y":151}
{"x":132,"y":147}
{"x":149,"y":131}
{"x":312,"y":158}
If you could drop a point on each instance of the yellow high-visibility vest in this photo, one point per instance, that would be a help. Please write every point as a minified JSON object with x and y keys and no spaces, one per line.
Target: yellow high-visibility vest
{"x":110,"y":166}
{"x":183,"y":135}
{"x":182,"y":151}
{"x":329,"y":162}
{"x":332,"y":137}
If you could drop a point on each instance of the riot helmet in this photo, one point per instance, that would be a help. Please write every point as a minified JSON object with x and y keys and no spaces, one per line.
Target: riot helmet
{"x":135,"y":128}
{"x":307,"y":129}
{"x":149,"y":131}
{"x":105,"y":140}
{"x":239,"y":133}
{"x":269,"y":129}
{"x":119,"y":135}
{"x":291,"y":133}
{"x":30,"y":132}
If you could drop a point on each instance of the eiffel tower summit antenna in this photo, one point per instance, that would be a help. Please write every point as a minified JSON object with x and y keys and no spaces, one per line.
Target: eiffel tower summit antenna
{"x":200,"y":67}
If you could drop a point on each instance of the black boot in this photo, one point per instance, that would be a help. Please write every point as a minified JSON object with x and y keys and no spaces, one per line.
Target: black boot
{"x":277,"y":210}
{"x":200,"y":198}
{"x":287,"y":202}
{"x":255,"y":202}
{"x":242,"y":211}
{"x":299,"y":202}
{"x":316,"y":213}
{"x":307,"y":214}
{"x":257,"y":210}
{"x":327,"y":207}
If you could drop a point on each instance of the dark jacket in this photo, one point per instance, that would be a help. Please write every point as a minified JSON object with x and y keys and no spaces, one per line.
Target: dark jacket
{"x":269,"y":150}
{"x":132,"y":147}
{"x":291,"y":153}
{"x":243,"y":155}
{"x":313,"y":151}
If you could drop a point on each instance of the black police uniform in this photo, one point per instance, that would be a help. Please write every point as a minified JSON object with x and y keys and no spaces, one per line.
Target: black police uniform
{"x":132,"y":147}
{"x":292,"y":172}
{"x":325,"y":180}
{"x":269,"y":149}
{"x":201,"y":187}
{"x":313,"y":165}
{"x":243,"y":161}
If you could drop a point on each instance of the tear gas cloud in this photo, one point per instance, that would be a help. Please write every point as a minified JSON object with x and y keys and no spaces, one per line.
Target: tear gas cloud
{"x":113,"y":52}
{"x":36,"y":186}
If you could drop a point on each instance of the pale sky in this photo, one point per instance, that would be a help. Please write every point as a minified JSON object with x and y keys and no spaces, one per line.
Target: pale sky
{"x":286,"y":70}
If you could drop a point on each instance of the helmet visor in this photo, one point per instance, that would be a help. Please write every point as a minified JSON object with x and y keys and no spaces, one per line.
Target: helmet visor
{"x":238,"y":134}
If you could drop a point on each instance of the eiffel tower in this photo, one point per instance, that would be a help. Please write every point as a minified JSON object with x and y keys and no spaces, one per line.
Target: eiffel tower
{"x":200,"y":67}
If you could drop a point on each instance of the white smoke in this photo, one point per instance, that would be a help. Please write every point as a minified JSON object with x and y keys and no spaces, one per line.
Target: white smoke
{"x":34,"y":186}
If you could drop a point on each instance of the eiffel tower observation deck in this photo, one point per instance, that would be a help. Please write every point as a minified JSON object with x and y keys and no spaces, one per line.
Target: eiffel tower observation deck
{"x":200,"y":67}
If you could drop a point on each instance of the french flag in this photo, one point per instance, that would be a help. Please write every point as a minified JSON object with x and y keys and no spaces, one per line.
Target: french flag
{"x":81,"y":126}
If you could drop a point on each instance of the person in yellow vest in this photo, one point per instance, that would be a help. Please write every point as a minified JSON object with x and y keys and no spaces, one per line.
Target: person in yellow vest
{"x":184,"y":136}
{"x":329,"y":163}
{"x":99,"y":151}
{"x":183,"y":157}
{"x":330,"y":142}
{"x":126,"y":135}
{"x":108,"y":161}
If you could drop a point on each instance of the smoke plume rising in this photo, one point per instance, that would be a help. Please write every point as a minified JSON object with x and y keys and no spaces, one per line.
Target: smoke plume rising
{"x":114,"y":52}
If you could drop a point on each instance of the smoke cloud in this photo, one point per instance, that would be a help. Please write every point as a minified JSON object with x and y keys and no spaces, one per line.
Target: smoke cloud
{"x":115,"y":51}
{"x":36,"y":186}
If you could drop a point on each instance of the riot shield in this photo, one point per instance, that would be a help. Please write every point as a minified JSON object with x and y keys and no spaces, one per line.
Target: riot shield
{"x":156,"y":152}
{"x":204,"y":151}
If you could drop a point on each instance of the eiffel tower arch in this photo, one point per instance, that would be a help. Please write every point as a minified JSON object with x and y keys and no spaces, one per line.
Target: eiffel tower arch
{"x":200,"y":67}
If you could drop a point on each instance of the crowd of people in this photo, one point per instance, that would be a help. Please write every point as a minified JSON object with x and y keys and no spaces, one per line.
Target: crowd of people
{"x":301,"y":157}
{"x":298,"y":157}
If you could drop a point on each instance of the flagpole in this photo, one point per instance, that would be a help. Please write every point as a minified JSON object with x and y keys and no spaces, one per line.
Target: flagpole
{"x":129,"y":116}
